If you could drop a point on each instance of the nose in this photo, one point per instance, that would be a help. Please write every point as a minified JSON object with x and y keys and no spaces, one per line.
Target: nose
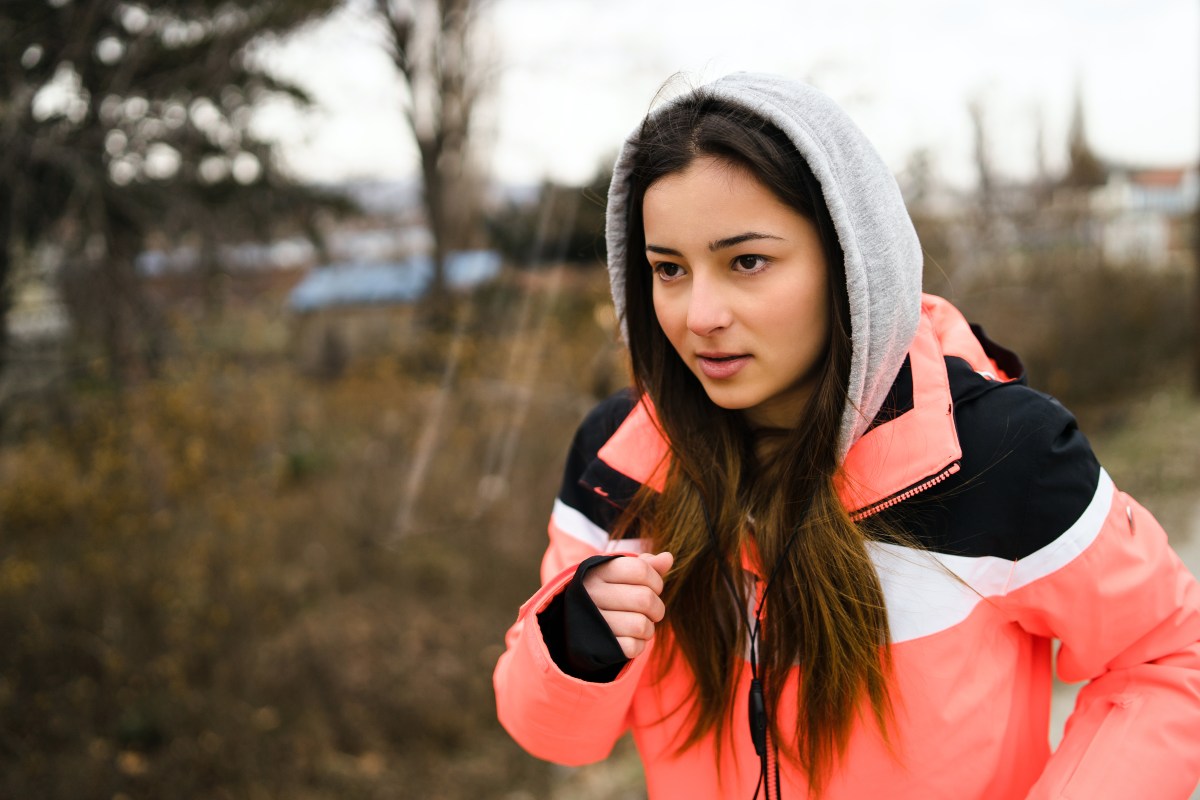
{"x":709,"y":310}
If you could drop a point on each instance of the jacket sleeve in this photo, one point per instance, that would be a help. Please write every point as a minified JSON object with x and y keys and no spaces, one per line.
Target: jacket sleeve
{"x":1127,"y":613}
{"x":555,"y":716}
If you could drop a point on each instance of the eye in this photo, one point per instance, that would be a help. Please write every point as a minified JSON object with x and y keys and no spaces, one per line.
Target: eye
{"x":666,"y":271}
{"x":749,"y":263}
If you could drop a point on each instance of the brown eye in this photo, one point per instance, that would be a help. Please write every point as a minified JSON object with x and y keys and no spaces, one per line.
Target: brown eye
{"x":667,"y":270}
{"x":749,"y":263}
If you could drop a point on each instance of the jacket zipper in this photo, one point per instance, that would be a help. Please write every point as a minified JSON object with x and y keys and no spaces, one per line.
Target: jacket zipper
{"x":900,"y":497}
{"x":772,"y":775}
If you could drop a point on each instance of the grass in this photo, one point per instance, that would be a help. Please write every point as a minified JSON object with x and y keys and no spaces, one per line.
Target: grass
{"x":1152,"y":449}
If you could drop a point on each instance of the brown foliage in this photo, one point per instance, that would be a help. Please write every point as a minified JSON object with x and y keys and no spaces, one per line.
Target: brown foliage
{"x":202,"y":585}
{"x":1092,"y":335}
{"x":204,"y":589}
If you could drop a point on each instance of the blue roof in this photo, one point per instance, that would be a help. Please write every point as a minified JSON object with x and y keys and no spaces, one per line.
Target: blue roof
{"x":396,"y":282}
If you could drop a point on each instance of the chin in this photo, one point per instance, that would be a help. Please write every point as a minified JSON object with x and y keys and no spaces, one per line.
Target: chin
{"x":729,"y":403}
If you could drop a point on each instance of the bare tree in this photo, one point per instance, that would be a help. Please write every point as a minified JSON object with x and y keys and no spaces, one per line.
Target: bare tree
{"x":984,"y":213}
{"x":431,"y":44}
{"x":1196,"y":302}
{"x":984,"y":169}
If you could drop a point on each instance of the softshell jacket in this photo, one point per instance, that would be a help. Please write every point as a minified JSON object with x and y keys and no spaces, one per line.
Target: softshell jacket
{"x":1021,"y":538}
{"x":1025,"y":540}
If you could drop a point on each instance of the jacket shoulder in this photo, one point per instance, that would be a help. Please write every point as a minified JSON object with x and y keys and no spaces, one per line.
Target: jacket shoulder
{"x":602,"y":422}
{"x":580,"y":479}
{"x":1027,"y":473}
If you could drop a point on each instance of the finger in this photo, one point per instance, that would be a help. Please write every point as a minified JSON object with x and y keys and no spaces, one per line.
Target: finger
{"x":661,"y":562}
{"x":631,"y":648}
{"x":629,"y":624}
{"x":630,"y":571}
{"x":627,"y":597}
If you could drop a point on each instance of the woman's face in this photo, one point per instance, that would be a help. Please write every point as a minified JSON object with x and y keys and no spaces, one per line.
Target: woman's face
{"x":740,"y":287}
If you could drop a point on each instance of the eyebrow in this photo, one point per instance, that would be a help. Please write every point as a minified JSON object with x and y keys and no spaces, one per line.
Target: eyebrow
{"x":719,"y":244}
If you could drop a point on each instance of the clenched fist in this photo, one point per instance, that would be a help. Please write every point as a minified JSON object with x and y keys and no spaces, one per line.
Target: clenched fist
{"x":627,"y":592}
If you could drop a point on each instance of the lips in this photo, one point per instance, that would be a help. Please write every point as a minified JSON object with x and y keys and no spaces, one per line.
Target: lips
{"x":721,"y":365}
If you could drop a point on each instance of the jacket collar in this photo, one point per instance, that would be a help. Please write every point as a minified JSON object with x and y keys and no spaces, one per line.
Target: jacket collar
{"x":907,"y":450}
{"x":903,"y":455}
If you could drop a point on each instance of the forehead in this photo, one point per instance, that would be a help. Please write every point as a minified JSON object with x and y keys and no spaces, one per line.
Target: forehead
{"x":712,"y":193}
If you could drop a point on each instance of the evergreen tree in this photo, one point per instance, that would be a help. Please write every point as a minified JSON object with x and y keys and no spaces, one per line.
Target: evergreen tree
{"x":121,"y":120}
{"x":1084,"y":168}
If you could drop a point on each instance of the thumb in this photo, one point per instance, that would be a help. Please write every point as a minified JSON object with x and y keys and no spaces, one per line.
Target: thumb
{"x":661,"y":562}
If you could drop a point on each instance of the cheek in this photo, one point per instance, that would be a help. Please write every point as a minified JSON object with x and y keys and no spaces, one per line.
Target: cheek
{"x":805,"y":317}
{"x":813,"y":297}
{"x":664,"y":313}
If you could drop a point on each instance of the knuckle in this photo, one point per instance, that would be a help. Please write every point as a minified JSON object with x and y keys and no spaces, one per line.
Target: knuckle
{"x":646,"y":600}
{"x":598,"y":595}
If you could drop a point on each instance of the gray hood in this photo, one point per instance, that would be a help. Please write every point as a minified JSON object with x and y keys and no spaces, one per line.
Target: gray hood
{"x":883,"y":256}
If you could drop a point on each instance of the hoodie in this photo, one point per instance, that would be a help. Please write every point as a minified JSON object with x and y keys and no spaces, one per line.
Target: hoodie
{"x":882,"y":254}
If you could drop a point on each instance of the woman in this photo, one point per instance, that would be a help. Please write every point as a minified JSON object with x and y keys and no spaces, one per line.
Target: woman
{"x":822,"y":547}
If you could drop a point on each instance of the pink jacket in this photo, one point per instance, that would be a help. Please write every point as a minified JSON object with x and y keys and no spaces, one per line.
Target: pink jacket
{"x":1068,"y":557}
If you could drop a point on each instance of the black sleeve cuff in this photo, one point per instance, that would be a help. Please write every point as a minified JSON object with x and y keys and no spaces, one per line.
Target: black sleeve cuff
{"x":578,"y":638}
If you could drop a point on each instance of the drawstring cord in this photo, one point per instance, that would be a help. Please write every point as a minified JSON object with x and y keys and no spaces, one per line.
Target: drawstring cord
{"x":756,"y":704}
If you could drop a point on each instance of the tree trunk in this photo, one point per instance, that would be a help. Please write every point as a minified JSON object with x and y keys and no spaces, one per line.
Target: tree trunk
{"x":434,"y":193}
{"x":6,"y":237}
{"x":131,"y":335}
{"x":1196,"y":302}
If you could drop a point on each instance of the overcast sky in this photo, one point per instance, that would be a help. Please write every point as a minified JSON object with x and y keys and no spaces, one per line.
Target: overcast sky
{"x":572,"y":77}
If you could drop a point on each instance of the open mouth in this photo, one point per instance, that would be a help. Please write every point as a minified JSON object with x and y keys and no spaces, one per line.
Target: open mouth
{"x":722,"y":366}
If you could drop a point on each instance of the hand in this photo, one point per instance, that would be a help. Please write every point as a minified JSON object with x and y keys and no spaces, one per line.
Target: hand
{"x":627,"y":592}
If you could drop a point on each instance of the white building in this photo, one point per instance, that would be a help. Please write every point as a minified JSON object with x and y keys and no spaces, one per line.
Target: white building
{"x":1147,"y":216}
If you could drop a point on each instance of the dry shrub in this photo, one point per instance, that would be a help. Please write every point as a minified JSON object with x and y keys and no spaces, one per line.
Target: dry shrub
{"x":1090,"y":335}
{"x":204,"y":589}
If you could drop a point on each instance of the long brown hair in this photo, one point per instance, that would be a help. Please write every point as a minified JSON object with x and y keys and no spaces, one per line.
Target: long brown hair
{"x":824,"y":609}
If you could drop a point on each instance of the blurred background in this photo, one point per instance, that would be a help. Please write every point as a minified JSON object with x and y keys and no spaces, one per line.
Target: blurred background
{"x":302,"y":301}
